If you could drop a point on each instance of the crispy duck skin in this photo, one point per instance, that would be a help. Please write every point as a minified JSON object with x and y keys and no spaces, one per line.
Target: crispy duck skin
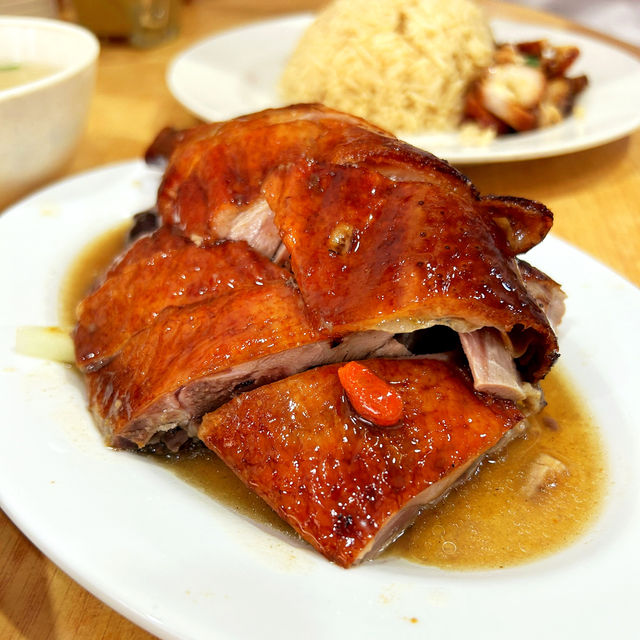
{"x":382,"y":238}
{"x":158,"y":271}
{"x":194,"y":357}
{"x":347,"y":486}
{"x":141,"y":387}
{"x":217,"y":170}
{"x":225,"y":180}
{"x":369,"y":252}
{"x":240,"y":203}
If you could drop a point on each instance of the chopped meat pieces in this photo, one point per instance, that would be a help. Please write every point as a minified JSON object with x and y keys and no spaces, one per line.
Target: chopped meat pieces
{"x":525,"y":88}
{"x":298,"y":238}
{"x":420,"y":254}
{"x":160,"y":271}
{"x":192,"y":358}
{"x":544,"y":472}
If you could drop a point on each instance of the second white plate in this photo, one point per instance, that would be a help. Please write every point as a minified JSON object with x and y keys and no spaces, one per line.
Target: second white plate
{"x":237,"y":72}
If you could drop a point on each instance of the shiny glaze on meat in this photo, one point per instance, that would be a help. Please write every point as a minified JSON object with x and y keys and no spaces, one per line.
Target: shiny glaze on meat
{"x":417,"y":254}
{"x":153,"y":380}
{"x":341,"y":482}
{"x":217,"y":170}
{"x":174,"y":329}
{"x":491,"y":522}
{"x":524,"y":222}
{"x":407,"y":243}
{"x":485,"y":523}
{"x":257,"y":166}
{"x":159,"y":271}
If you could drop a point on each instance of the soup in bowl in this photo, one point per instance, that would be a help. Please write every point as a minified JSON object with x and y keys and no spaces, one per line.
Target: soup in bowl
{"x":47,"y":70}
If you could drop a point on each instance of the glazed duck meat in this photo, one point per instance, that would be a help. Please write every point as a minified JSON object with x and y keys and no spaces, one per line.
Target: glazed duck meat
{"x":346,"y":485}
{"x":410,"y":255}
{"x":464,"y":246}
{"x":212,"y":185}
{"x":174,"y":330}
{"x":297,"y":239}
{"x":160,"y":270}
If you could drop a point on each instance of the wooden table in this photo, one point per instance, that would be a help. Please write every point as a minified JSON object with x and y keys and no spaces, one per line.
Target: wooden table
{"x":595,"y":195}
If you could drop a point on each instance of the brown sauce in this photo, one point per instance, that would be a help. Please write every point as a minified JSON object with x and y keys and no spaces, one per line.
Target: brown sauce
{"x":203,"y":469}
{"x":497,"y":519}
{"x":491,"y":521}
{"x":89,"y":265}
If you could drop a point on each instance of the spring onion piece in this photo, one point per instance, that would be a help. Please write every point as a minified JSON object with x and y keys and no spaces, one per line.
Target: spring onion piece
{"x":49,"y":343}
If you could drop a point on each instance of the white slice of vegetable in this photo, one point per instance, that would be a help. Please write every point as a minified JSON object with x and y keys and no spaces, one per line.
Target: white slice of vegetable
{"x":50,"y":343}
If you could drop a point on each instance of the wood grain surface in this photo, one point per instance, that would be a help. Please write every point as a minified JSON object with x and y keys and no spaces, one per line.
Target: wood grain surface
{"x":594,"y":194}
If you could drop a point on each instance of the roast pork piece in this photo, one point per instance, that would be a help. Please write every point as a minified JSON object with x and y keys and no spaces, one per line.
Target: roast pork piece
{"x":347,"y":486}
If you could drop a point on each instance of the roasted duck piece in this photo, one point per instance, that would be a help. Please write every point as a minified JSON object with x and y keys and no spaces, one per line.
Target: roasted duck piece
{"x":455,"y":267}
{"x":349,"y":487}
{"x":546,"y":292}
{"x":159,"y":271}
{"x":300,"y":237}
{"x":382,"y":238}
{"x":175,"y":329}
{"x":369,"y":252}
{"x":212,"y":185}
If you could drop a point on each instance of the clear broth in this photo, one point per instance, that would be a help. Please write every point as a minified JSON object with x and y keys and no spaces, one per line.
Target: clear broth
{"x":13,"y":75}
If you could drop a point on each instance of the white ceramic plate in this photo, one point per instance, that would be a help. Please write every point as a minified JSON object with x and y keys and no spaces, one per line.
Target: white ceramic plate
{"x":183,"y":566}
{"x":237,"y":72}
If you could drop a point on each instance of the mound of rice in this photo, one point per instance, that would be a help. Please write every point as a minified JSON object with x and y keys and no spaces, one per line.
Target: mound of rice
{"x":402,"y":64}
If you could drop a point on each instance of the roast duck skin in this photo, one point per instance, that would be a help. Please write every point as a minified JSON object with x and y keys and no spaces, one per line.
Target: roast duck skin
{"x":216,"y":171}
{"x":219,"y":174}
{"x":295,"y":239}
{"x":349,"y":487}
{"x":416,"y":255}
{"x":193,"y":325}
{"x":160,"y":270}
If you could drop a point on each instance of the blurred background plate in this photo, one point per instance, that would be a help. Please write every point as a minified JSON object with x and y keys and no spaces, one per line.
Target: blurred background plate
{"x":237,"y":72}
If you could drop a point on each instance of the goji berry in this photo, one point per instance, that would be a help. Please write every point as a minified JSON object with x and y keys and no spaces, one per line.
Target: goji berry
{"x":371,"y":396}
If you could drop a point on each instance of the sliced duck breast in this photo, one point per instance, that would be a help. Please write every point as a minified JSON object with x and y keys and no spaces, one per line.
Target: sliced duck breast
{"x":347,"y":486}
{"x":369,"y":253}
{"x":194,"y":358}
{"x":159,"y":271}
{"x":215,"y":172}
